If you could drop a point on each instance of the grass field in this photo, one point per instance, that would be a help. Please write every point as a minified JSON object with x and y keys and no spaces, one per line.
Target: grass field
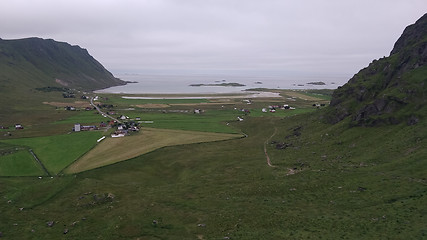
{"x":210,"y":121}
{"x":20,"y":163}
{"x":57,"y":152}
{"x":113,"y":150}
{"x":82,"y":117}
{"x":280,"y":112}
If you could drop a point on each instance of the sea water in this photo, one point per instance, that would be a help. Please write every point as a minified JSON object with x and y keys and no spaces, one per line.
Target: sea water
{"x":180,"y":84}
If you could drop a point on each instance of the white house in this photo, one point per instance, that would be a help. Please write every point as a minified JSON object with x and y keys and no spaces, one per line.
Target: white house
{"x":114,"y":135}
{"x":77,"y":127}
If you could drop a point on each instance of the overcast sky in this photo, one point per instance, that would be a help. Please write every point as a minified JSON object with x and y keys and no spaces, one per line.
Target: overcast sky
{"x":215,"y":36}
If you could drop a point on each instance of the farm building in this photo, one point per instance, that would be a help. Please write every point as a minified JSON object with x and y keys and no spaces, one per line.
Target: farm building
{"x":78,"y":127}
{"x":115,"y":135}
{"x":89,"y":128}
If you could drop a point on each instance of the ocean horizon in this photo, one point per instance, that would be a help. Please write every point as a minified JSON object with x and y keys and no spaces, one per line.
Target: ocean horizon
{"x":181,"y":83}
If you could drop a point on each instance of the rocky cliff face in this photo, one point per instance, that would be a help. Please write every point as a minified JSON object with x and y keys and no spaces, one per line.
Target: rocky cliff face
{"x":37,"y":62}
{"x":390,"y":90}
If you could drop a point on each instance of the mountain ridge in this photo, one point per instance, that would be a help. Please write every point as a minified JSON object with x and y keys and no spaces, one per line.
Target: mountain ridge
{"x":36,"y":62}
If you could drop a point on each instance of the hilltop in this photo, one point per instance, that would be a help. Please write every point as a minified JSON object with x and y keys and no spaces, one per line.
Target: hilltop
{"x":36,"y":62}
{"x":390,"y":90}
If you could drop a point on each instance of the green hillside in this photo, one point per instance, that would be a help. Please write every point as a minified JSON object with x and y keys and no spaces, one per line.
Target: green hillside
{"x":390,"y":90}
{"x":35,"y":62}
{"x":34,"y":70}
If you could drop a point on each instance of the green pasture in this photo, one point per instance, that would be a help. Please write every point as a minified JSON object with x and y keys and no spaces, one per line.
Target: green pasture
{"x":280,"y":112}
{"x":20,"y":163}
{"x":83,"y":117}
{"x":55,"y":152}
{"x":324,"y":94}
{"x":209,"y":121}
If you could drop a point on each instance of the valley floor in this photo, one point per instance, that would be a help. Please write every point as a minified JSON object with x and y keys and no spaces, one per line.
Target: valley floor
{"x":328,"y":182}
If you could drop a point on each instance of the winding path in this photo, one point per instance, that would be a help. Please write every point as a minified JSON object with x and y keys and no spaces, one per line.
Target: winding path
{"x":265,"y":148}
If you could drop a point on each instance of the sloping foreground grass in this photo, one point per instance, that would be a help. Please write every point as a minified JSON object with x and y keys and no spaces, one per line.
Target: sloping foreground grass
{"x":20,"y":163}
{"x":113,"y":150}
{"x":56,"y":152}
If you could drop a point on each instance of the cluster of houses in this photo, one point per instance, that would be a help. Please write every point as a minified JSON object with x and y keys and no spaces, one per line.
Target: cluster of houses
{"x":277,"y":107}
{"x":78,"y":127}
{"x":71,"y":108}
{"x":17,"y":127}
{"x":123,"y":130}
{"x":318,"y":105}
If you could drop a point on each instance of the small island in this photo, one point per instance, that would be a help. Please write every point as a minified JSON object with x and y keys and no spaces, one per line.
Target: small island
{"x":317,"y":83}
{"x":217,"y":85}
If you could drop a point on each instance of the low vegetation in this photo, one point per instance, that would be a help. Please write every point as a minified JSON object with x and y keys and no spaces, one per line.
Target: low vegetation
{"x":323,"y":179}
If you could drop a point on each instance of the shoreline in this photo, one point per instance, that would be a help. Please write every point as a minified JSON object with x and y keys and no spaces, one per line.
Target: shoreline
{"x":248,"y":94}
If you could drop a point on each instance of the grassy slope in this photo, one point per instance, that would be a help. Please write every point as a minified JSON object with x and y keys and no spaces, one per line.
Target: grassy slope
{"x":343,"y":190}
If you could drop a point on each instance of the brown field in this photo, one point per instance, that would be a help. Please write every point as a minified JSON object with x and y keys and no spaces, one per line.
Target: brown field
{"x":202,"y":104}
{"x":113,"y":150}
{"x":79,"y":104}
{"x":151,"y":105}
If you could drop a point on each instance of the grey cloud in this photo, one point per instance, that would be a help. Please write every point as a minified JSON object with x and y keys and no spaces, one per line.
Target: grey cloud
{"x":212,"y":35}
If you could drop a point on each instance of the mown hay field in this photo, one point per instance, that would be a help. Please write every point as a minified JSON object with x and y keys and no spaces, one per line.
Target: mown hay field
{"x":113,"y":150}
